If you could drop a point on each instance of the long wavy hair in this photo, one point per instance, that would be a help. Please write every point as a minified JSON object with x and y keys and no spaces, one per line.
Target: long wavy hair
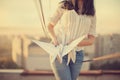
{"x":87,"y":9}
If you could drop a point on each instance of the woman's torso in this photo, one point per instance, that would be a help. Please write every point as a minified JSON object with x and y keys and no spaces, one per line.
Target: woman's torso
{"x":72,"y":26}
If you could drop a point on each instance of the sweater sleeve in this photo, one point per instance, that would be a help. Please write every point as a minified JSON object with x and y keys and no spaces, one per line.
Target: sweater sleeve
{"x":92,"y":30}
{"x":57,"y":15}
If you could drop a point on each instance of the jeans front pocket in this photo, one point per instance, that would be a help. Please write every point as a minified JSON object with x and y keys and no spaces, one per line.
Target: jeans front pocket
{"x":79,"y":56}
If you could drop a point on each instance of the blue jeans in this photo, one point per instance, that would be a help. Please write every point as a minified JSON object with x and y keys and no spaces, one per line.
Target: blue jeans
{"x":62,"y":71}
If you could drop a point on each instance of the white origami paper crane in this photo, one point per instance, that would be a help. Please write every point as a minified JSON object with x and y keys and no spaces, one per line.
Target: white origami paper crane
{"x":60,"y":50}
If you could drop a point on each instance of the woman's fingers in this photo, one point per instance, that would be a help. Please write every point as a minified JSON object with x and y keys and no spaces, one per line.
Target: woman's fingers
{"x":58,"y":58}
{"x":55,"y":42}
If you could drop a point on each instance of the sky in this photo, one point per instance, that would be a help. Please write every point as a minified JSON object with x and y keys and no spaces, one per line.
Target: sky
{"x":108,"y":16}
{"x":24,"y":15}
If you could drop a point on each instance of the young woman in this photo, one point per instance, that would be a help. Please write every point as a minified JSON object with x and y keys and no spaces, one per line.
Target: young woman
{"x":71,"y":20}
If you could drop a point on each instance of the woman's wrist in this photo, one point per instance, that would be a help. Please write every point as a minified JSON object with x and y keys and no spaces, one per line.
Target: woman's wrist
{"x":55,"y":41}
{"x":86,"y":42}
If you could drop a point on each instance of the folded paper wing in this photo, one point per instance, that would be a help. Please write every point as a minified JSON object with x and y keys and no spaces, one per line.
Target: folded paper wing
{"x":72,"y":45}
{"x":60,"y":50}
{"x":49,"y":48}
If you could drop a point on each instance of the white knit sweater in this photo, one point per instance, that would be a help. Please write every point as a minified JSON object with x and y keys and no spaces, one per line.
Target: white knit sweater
{"x":70,"y":26}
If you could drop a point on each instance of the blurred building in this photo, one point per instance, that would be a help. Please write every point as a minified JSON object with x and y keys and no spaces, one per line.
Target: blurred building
{"x":107,"y":44}
{"x":27,"y":54}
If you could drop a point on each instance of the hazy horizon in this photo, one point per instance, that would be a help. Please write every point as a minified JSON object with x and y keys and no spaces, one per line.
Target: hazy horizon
{"x":22,"y":16}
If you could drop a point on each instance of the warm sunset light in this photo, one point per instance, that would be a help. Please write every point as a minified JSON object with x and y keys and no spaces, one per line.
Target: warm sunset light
{"x":23,"y":15}
{"x":30,"y":49}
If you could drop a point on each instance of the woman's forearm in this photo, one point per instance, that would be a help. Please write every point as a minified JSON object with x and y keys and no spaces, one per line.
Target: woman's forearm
{"x":51,"y":31}
{"x":87,"y":42}
{"x":52,"y":34}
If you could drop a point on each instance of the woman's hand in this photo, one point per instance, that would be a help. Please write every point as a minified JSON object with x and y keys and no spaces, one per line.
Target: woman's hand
{"x":55,"y":42}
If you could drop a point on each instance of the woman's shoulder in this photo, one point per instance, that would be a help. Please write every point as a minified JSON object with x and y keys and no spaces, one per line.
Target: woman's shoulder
{"x":66,"y":5}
